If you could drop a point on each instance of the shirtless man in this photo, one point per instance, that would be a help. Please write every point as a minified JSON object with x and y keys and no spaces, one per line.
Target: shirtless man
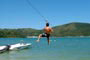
{"x":47,"y":32}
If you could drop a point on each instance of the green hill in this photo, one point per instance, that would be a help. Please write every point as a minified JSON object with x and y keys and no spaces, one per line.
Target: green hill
{"x":71,"y":29}
{"x":17,"y":32}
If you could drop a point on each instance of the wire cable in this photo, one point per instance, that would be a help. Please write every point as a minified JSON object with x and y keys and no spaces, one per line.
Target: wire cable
{"x":29,"y":2}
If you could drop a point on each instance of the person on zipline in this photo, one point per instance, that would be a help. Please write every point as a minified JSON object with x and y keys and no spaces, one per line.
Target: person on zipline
{"x":47,"y":32}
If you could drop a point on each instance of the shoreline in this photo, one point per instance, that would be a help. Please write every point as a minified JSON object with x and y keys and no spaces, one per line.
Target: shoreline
{"x":52,"y":37}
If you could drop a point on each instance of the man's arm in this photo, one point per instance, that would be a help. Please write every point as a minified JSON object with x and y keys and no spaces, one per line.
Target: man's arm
{"x":51,"y":29}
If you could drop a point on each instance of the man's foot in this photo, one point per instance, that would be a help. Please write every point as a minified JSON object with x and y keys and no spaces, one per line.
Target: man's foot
{"x":37,"y":40}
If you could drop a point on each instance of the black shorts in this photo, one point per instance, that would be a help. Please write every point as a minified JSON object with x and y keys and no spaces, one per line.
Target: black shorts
{"x":45,"y":35}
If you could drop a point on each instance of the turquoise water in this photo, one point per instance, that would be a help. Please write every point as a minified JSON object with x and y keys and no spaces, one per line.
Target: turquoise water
{"x":59,"y":49}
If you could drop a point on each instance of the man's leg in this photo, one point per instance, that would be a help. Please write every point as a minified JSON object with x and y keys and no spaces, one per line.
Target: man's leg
{"x":48,"y":40}
{"x":39,"y":37}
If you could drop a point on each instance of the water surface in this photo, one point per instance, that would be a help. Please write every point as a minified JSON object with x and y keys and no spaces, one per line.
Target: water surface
{"x":59,"y":49}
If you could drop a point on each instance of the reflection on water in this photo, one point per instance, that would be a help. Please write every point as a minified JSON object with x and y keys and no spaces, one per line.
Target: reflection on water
{"x":14,"y":55}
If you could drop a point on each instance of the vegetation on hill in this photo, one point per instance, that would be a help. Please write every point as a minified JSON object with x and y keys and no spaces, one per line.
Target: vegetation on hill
{"x":71,"y":29}
{"x":18,"y":32}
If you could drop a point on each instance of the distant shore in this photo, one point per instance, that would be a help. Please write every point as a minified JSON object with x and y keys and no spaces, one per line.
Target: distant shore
{"x":52,"y":37}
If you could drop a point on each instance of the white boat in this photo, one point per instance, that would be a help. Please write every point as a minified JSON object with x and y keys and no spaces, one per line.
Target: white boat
{"x":4,"y":48}
{"x":19,"y":46}
{"x":14,"y":47}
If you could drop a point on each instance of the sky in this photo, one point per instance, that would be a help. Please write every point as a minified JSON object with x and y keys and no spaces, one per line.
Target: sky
{"x":19,"y":14}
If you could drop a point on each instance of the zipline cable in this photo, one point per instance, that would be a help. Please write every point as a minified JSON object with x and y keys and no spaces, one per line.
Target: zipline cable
{"x":29,"y":2}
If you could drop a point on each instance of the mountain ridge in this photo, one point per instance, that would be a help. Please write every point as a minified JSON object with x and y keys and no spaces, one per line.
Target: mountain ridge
{"x":70,"y":29}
